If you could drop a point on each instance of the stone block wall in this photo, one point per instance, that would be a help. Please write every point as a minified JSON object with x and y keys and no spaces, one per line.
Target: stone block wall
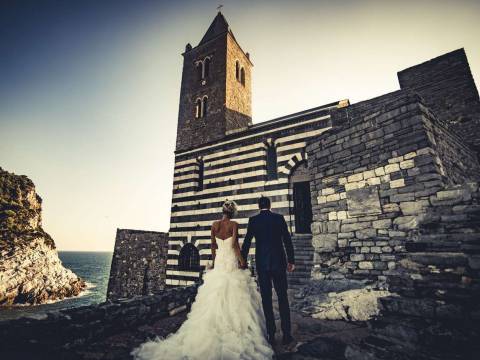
{"x":191,"y":131}
{"x":435,"y":313}
{"x":448,"y":88}
{"x":459,"y":162}
{"x":138,"y":263}
{"x":58,"y":333}
{"x":375,"y":173}
{"x":238,"y":96}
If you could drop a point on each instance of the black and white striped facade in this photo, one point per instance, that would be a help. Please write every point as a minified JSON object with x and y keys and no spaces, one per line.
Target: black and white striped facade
{"x":235,"y":168}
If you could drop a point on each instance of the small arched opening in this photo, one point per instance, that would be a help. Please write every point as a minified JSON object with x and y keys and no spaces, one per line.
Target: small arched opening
{"x":206,"y":67}
{"x":204,"y":106}
{"x":198,"y":108}
{"x":272,"y":173}
{"x":189,"y":258}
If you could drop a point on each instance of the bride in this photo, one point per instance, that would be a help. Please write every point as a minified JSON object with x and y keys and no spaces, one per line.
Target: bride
{"x":226,"y":320}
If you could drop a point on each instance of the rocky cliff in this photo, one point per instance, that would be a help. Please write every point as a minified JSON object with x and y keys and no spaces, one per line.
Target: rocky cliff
{"x":30,"y":270}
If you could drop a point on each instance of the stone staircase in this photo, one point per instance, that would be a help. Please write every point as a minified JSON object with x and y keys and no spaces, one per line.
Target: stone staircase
{"x":302,"y":244}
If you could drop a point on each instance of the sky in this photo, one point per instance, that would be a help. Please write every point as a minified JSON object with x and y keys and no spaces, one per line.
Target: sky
{"x":89,"y":90}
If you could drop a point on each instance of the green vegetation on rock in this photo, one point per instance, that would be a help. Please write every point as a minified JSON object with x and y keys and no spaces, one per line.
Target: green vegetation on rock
{"x":30,"y":270}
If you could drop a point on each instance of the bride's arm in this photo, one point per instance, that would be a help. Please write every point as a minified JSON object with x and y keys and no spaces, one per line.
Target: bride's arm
{"x":213,"y":245}
{"x":236,"y":246}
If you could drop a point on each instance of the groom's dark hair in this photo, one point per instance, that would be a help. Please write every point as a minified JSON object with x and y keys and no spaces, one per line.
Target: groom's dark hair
{"x":264,"y":202}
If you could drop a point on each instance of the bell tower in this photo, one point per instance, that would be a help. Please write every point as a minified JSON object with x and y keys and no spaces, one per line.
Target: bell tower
{"x":215,"y":95}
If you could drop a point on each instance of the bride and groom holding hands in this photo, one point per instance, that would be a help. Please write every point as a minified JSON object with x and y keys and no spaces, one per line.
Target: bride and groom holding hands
{"x":229,"y":318}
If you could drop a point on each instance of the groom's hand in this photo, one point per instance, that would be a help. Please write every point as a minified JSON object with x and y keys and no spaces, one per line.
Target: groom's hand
{"x":290,"y":267}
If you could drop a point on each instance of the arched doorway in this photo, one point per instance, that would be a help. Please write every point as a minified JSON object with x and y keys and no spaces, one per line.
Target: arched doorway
{"x":301,"y":219}
{"x":300,"y":203}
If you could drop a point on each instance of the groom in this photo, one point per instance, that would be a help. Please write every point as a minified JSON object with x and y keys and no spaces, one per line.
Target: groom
{"x":271,"y":240}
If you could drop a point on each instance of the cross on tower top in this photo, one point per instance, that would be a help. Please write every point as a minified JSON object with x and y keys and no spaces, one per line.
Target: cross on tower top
{"x":219,"y":7}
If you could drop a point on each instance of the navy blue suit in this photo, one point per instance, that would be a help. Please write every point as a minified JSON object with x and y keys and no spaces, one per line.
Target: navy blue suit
{"x":272,"y":239}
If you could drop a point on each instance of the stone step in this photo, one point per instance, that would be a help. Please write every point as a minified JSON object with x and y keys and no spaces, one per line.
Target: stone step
{"x":305,"y":264}
{"x":300,"y":274}
{"x":309,"y":253}
{"x":303,"y":244}
{"x":308,"y":262}
{"x":303,"y":253}
{"x":303,"y":257}
{"x":304,"y":250}
{"x":298,"y":280}
{"x":302,"y":265}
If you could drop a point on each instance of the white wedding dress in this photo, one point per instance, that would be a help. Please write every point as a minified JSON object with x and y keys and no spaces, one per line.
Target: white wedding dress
{"x":226,"y":321}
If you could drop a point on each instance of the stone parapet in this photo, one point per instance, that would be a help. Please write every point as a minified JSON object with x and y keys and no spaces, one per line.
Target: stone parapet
{"x":60,"y":331}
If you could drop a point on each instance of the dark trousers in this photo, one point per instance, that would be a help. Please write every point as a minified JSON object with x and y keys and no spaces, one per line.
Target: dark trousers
{"x":279,"y":280}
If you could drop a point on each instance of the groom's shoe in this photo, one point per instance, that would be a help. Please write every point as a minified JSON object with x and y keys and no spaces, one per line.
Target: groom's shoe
{"x":287,"y":339}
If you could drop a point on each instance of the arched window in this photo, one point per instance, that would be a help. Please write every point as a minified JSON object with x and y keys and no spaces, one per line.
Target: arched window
{"x":200,"y":174}
{"x":237,"y":70}
{"x":272,"y":162}
{"x":189,"y":258}
{"x":199,"y":69}
{"x":204,"y":106}
{"x":198,"y":108}
{"x":206,"y":67}
{"x":242,"y":76}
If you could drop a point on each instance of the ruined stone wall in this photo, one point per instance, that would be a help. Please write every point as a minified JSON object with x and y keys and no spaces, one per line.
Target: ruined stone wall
{"x":138,"y":263}
{"x":374,"y":174}
{"x":448,"y":88}
{"x":435,"y":313}
{"x":60,"y":332}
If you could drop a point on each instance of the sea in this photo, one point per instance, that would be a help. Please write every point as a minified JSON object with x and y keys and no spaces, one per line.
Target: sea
{"x":93,"y":267}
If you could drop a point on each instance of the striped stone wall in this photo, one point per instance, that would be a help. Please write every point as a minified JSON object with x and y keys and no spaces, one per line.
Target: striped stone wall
{"x":236,"y":169}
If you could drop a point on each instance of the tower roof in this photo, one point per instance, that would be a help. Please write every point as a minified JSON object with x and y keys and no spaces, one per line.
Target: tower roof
{"x":218,"y":26}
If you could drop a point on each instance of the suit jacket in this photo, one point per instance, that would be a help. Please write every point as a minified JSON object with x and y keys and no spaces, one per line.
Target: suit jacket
{"x":272,"y":238}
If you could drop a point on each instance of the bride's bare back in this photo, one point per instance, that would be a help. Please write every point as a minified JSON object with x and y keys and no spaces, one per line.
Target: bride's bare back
{"x":224,"y":229}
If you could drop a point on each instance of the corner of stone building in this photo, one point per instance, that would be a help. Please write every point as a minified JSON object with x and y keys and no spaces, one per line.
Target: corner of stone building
{"x":447,"y":85}
{"x":374,"y":175}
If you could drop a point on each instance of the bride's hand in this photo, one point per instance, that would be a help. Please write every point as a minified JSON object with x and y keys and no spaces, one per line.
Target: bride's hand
{"x":242,"y":264}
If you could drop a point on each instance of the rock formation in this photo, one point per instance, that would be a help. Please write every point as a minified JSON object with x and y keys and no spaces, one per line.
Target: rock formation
{"x":349,"y":300}
{"x":30,"y":270}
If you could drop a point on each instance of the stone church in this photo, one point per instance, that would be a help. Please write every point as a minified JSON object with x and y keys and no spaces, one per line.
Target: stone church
{"x":221,"y":155}
{"x":360,"y":185}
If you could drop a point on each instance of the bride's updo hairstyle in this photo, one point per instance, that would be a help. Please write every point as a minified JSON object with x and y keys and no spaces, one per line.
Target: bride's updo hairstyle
{"x":229,"y":208}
